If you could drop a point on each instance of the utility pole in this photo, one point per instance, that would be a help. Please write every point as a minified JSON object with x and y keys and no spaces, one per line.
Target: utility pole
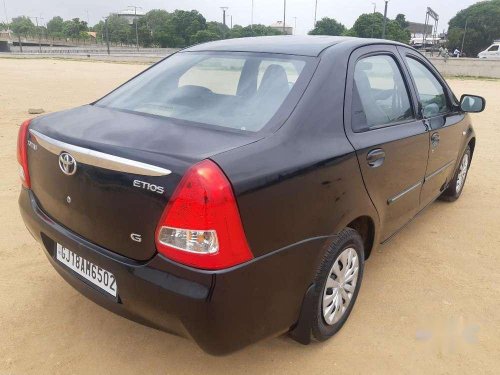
{"x":5,"y":11}
{"x":385,"y":20}
{"x":294,"y":25}
{"x":39,"y":36}
{"x":231,"y":21}
{"x":136,"y":31}
{"x":284,"y":17}
{"x":224,"y":9}
{"x":315,"y":12}
{"x":463,"y":39}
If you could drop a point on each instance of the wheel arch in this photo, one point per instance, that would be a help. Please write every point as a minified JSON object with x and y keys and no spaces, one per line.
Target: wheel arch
{"x":365,"y":226}
{"x":472,"y":145}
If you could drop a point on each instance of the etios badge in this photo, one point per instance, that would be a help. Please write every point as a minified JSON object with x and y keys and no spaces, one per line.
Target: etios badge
{"x":67,"y":163}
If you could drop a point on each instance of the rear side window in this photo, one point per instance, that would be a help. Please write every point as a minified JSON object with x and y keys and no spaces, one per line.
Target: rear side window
{"x":430,"y":91}
{"x":380,"y":96}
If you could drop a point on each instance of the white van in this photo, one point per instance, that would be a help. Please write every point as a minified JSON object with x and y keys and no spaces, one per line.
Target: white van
{"x":492,"y":52}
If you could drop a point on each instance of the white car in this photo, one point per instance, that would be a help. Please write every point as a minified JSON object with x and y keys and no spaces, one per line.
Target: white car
{"x":492,"y":52}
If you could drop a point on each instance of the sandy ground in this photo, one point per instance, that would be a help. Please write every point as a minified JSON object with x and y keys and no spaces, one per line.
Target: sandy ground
{"x":430,"y":301}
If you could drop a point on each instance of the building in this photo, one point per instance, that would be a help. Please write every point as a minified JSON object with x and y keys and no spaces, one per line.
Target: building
{"x":129,"y":14}
{"x":278,"y":25}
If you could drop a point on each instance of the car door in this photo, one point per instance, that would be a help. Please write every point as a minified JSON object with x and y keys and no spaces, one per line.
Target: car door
{"x":391,"y":143}
{"x":444,"y":120}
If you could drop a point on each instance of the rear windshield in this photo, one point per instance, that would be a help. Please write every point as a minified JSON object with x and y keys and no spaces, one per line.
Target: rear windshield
{"x":233,"y":90}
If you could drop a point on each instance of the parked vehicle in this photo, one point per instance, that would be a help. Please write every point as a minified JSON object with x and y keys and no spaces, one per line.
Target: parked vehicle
{"x":492,"y":52}
{"x":234,"y":191}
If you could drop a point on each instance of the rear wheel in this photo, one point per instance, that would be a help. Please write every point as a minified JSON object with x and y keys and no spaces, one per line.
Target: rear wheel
{"x":337,"y":284}
{"x":454,"y":190}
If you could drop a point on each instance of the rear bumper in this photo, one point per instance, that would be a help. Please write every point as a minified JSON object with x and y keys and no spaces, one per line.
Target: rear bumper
{"x":221,"y":311}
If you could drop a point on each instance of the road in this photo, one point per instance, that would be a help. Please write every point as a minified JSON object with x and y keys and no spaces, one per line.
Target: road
{"x":430,"y":300}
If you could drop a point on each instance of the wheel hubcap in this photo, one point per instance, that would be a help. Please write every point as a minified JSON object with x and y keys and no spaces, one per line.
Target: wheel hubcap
{"x":462,"y":172}
{"x":340,"y":285}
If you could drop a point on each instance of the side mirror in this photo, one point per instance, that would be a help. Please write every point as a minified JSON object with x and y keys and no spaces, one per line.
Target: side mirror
{"x":472,"y":103}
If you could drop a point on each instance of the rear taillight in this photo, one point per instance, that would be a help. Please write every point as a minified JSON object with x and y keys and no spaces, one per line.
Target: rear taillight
{"x":22,"y":154}
{"x":201,"y":225}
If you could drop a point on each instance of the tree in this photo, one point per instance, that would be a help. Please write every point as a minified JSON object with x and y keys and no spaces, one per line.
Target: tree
{"x":483,"y":27}
{"x":401,"y":20}
{"x":370,"y":26}
{"x":119,"y":30}
{"x":204,"y":36}
{"x":55,"y":27}
{"x":22,"y":26}
{"x":328,"y":26}
{"x":257,"y":30}
{"x":4,"y":26}
{"x":185,"y":24}
{"x":74,"y":28}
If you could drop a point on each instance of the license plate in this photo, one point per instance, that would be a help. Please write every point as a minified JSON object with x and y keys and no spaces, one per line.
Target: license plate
{"x":101,"y":278}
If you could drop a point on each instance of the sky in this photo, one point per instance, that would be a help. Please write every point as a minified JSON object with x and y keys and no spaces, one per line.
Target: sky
{"x":265,"y":11}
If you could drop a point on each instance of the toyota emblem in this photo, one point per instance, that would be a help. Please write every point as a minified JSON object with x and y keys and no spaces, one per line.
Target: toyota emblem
{"x":67,"y":163}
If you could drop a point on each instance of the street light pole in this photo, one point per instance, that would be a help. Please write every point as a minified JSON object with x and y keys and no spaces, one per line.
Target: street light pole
{"x":284,"y":17}
{"x":385,"y":20}
{"x":251,"y":20}
{"x":224,"y":9}
{"x":373,"y":22}
{"x":136,"y":31}
{"x":294,"y":25}
{"x":315,"y":12}
{"x":107,"y":33}
{"x":5,"y":11}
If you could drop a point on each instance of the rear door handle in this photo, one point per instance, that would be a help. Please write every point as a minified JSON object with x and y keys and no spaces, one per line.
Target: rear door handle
{"x":375,"y":158}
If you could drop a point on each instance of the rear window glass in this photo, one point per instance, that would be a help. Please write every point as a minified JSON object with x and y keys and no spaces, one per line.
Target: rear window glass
{"x":239,"y":91}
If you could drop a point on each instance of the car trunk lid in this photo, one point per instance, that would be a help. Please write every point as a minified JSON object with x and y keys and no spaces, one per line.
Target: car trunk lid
{"x":107,"y":175}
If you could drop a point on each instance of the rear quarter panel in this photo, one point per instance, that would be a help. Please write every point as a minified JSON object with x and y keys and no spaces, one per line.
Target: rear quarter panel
{"x":303,"y":181}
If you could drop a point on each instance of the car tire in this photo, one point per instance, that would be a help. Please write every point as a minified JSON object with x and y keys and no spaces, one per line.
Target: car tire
{"x":334,"y":284}
{"x":456,"y":186}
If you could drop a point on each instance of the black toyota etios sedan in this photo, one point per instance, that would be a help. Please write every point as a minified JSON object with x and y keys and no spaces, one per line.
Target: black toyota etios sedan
{"x":234,"y":190}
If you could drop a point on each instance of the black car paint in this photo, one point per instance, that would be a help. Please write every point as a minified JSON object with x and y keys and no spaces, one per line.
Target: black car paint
{"x":296,"y":186}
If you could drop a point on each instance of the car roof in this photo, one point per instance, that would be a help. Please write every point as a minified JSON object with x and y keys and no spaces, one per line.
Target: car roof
{"x":310,"y":45}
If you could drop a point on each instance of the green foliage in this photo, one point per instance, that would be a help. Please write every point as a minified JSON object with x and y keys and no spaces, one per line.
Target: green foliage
{"x":328,"y":26}
{"x":119,"y":30}
{"x":248,"y":31}
{"x":74,"y":28}
{"x":401,"y":20}
{"x":55,"y":27}
{"x":4,"y":26}
{"x":22,"y":26}
{"x":204,"y":36}
{"x":371,"y":25}
{"x":483,"y":26}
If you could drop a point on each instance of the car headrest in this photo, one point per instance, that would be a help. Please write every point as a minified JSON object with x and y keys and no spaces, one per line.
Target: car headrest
{"x":274,"y":81}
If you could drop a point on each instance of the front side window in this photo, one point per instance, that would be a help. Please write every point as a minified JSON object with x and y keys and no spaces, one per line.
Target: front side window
{"x":233,"y":90}
{"x":380,"y":96}
{"x":493,"y":48}
{"x":430,"y":91}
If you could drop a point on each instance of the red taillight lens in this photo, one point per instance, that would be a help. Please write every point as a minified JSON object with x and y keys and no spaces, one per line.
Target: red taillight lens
{"x":22,"y":153}
{"x":201,"y":225}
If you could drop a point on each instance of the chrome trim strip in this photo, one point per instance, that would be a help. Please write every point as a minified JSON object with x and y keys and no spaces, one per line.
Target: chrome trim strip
{"x":404,"y":192}
{"x":99,"y":159}
{"x":438,"y":171}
